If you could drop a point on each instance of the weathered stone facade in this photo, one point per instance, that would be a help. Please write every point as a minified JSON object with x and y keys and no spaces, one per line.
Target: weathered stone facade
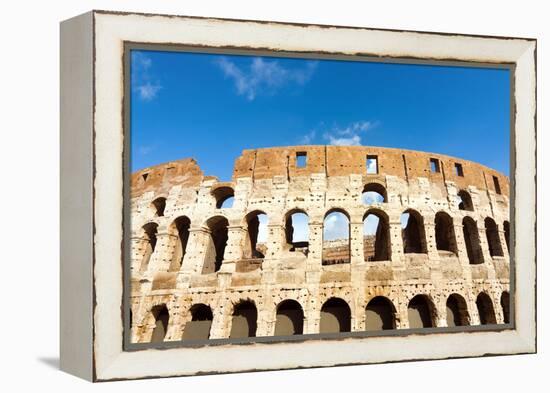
{"x":199,"y":271}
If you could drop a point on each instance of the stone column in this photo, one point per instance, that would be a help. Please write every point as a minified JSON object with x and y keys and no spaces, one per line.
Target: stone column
{"x":220,"y":323}
{"x":431,"y":244}
{"x":194,"y":255}
{"x":357,"y":256}
{"x":164,"y":251}
{"x":396,"y":242}
{"x":138,"y":245}
{"x":233,"y":248}
{"x":315,"y":256}
{"x":487,"y":258}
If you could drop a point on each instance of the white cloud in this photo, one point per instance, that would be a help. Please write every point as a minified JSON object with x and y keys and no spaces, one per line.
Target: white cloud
{"x":336,"y":227}
{"x":144,"y":150}
{"x":143,"y":80}
{"x":350,"y":135}
{"x":264,"y":76}
{"x":308,"y":138}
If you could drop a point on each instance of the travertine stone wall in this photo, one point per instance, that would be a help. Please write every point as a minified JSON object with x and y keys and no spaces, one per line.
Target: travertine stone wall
{"x":269,"y":181}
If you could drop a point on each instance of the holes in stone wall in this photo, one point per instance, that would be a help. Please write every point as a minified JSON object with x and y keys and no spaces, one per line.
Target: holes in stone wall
{"x":485,"y":309}
{"x":297,"y":231}
{"x":380,"y":314}
{"x":217,"y":241}
{"x":159,"y":204}
{"x":464,"y":201}
{"x":150,"y":235}
{"x":335,"y":316}
{"x":336,"y":238}
{"x":413,"y":233}
{"x":376,"y":236}
{"x":198,"y":328}
{"x":493,"y":238}
{"x":457,"y":311}
{"x":161,"y":317}
{"x":445,"y":238}
{"x":471,"y":238}
{"x":505,"y":304}
{"x":244,"y":320}
{"x":374,"y":193}
{"x":256,"y":228}
{"x":497,"y":185}
{"x":290,"y":318}
{"x":182,"y":225}
{"x":224,"y":196}
{"x":421,"y":312}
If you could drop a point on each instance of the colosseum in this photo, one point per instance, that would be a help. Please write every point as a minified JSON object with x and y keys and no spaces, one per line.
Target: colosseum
{"x":317,"y":239}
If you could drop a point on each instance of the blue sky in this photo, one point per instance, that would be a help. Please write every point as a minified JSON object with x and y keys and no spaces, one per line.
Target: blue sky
{"x":211,"y":107}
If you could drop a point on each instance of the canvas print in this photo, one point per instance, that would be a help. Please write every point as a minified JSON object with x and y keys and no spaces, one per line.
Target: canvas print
{"x":286,"y":197}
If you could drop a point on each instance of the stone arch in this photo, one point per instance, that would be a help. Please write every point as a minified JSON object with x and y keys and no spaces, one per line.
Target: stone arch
{"x":161,"y":318}
{"x":224,"y":196}
{"x":471,"y":238}
{"x":493,"y":238}
{"x":198,"y":327}
{"x":180,"y":227}
{"x":380,"y":314}
{"x":336,"y":237}
{"x":413,"y":232}
{"x":150,"y":235}
{"x":457,"y":311}
{"x":374,"y":193}
{"x":335,"y":316}
{"x":217,"y":241}
{"x":505,"y":304}
{"x":421,"y":312}
{"x":244,"y":320}
{"x":297,"y":230}
{"x":256,"y":235}
{"x":445,"y":238}
{"x":159,"y":205}
{"x":485,"y":309}
{"x":376,"y":236}
{"x":464,"y":201}
{"x":289,"y":318}
{"x":506,"y":226}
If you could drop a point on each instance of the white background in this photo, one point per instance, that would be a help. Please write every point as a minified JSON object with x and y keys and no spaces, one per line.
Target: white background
{"x":29,"y":196}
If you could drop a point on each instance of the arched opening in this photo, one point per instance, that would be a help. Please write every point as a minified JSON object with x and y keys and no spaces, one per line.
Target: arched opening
{"x":505,"y":304}
{"x":224,"y":196}
{"x":471,"y":238}
{"x":376,"y":236}
{"x":506,"y":226}
{"x":243,"y":322}
{"x":182,"y":225}
{"x":421,"y":312}
{"x":290,"y":318}
{"x":150,"y":236}
{"x":380,"y":314}
{"x":412,"y":231}
{"x":198,"y":328}
{"x":445,"y":233}
{"x":336,"y":240}
{"x":374,"y":193}
{"x":162,"y":317}
{"x":493,"y":238}
{"x":217,"y":240}
{"x":485,"y":309}
{"x":256,"y":228}
{"x":159,"y":204}
{"x":464,"y":201}
{"x":457,"y":311}
{"x":335,"y":316}
{"x":297,"y":231}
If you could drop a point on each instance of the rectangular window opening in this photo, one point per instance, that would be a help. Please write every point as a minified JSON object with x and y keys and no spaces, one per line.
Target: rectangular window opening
{"x":458,"y":170}
{"x":301,"y":159}
{"x":497,"y":185}
{"x":372,"y":164}
{"x":434,"y":165}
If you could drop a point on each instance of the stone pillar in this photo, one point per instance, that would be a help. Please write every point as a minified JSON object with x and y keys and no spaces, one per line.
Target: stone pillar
{"x":164,"y":251}
{"x":503,"y":244}
{"x":402,"y":317}
{"x":194,"y":255}
{"x":397,"y":254}
{"x":266,"y":323}
{"x":357,"y":256}
{"x":220,"y":323}
{"x":431,"y":244}
{"x":315,"y":256}
{"x":138,"y":245}
{"x":487,"y":258}
{"x":233,"y":249}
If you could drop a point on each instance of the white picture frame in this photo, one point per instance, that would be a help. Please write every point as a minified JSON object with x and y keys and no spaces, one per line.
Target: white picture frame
{"x":92,"y":193}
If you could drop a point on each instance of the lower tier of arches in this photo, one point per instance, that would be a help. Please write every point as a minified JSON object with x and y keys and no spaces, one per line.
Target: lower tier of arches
{"x":277,"y":311}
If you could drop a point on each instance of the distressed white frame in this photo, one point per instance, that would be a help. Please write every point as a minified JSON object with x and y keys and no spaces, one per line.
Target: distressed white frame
{"x":92,"y":68}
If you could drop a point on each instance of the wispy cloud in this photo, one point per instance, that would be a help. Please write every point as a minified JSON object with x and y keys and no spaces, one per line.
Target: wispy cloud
{"x":308,"y":138}
{"x":348,"y":136}
{"x":145,"y":149}
{"x":143,"y":79}
{"x":264,"y":76}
